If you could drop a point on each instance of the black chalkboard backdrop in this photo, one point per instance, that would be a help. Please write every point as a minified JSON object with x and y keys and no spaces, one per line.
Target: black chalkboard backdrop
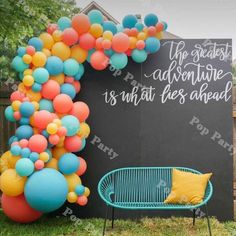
{"x":183,"y":119}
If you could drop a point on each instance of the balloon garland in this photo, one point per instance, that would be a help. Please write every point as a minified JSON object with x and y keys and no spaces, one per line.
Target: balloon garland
{"x":40,"y":172}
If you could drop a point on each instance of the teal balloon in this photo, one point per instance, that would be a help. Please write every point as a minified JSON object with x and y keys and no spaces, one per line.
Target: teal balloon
{"x":12,"y":139}
{"x":71,"y":67}
{"x":41,"y":75}
{"x":21,"y":51}
{"x":119,"y":60}
{"x":36,"y":87}
{"x":95,"y":16}
{"x":152,"y":45}
{"x":46,"y":190}
{"x":83,"y":144}
{"x":37,"y":43}
{"x":129,"y":21}
{"x":120,"y":28}
{"x":80,"y":73}
{"x":45,"y":104}
{"x":68,"y":163}
{"x":9,"y":114}
{"x":15,"y":150}
{"x":34,"y":156}
{"x":109,"y":26}
{"x":63,"y":23}
{"x":71,"y":124}
{"x":139,"y":56}
{"x":150,"y":20}
{"x":25,"y":152}
{"x":26,"y":109}
{"x":69,"y":90}
{"x":24,"y":167}
{"x":18,"y":64}
{"x":24,"y":121}
{"x":139,"y":26}
{"x":45,"y":133}
{"x":165,"y":25}
{"x":24,"y":132}
{"x":79,"y":189}
{"x":54,"y":65}
{"x":109,"y":52}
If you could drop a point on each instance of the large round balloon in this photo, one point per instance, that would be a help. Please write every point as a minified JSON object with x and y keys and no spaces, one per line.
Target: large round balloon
{"x":46,"y":190}
{"x":18,"y":210}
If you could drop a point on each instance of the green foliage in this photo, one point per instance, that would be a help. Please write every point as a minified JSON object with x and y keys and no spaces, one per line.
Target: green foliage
{"x":22,"y":19}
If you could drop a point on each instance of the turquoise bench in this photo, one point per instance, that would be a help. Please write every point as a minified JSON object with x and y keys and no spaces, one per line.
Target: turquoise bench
{"x":144,"y":188}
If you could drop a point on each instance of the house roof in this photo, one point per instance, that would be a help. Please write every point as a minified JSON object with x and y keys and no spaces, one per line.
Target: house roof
{"x":93,"y":5}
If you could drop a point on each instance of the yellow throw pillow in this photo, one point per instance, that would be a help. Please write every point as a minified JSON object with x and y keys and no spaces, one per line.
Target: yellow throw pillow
{"x":187,"y":188}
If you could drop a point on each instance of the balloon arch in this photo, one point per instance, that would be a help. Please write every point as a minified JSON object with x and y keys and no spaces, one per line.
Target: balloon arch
{"x":40,"y":172}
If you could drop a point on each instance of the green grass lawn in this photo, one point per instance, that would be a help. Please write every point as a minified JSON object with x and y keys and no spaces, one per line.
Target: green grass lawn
{"x":48,"y":226}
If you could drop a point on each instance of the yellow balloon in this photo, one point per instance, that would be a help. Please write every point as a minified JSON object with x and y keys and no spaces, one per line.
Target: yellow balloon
{"x":39,"y":59}
{"x":21,"y":88}
{"x":58,"y":78}
{"x":142,"y":36}
{"x":47,"y":52}
{"x":57,"y":152}
{"x":47,"y":40}
{"x":4,"y":163}
{"x":28,"y":80}
{"x":44,"y":156}
{"x":84,"y":130}
{"x":72,"y":181}
{"x":28,"y":72}
{"x":86,"y":192}
{"x":72,"y":197}
{"x":52,"y":128}
{"x":12,"y":161}
{"x":57,"y":35}
{"x":96,"y":30}
{"x":27,"y":59}
{"x":107,"y":35}
{"x":36,"y":105}
{"x":61,"y":142}
{"x":52,"y":164}
{"x":159,"y":35}
{"x":11,"y":183}
{"x":132,"y":42}
{"x":61,"y":50}
{"x":16,"y":105}
{"x":57,"y":122}
{"x":79,"y":53}
{"x":33,"y":96}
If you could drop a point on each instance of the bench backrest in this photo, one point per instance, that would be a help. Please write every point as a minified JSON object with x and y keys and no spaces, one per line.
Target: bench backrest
{"x":142,"y":184}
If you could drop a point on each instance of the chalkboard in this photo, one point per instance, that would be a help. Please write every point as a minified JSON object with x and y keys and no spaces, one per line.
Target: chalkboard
{"x":179,"y":115}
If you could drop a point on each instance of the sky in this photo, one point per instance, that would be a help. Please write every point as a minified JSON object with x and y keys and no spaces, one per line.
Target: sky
{"x":185,"y":18}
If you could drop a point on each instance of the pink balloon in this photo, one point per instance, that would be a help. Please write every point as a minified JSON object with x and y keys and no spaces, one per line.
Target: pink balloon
{"x":17,"y":95}
{"x":69,"y":79}
{"x":82,"y":166}
{"x":80,"y":110}
{"x":51,"y":28}
{"x":54,"y":139}
{"x":39,"y":164}
{"x":140,"y":44}
{"x":42,"y":119}
{"x":38,"y":143}
{"x":50,"y":89}
{"x":73,"y":143}
{"x":23,"y":143}
{"x":62,"y":103}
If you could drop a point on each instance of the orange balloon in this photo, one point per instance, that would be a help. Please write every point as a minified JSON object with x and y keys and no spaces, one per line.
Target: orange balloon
{"x":52,"y":164}
{"x":81,"y":23}
{"x":33,"y":96}
{"x":99,"y":60}
{"x":120,"y":42}
{"x":57,"y":35}
{"x":58,"y":78}
{"x":39,"y":59}
{"x":79,"y":53}
{"x":96,"y":30}
{"x":132,"y":42}
{"x":47,"y":40}
{"x":61,"y":50}
{"x":57,"y":152}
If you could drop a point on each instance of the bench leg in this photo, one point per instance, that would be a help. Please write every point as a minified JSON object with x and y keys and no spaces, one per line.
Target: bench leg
{"x":194,"y":216}
{"x":105,"y":221}
{"x":113,"y":214}
{"x":208,"y":220}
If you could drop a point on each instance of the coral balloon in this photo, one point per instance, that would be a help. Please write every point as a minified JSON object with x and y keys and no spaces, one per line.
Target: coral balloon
{"x":87,"y":41}
{"x":70,"y":36}
{"x":73,"y":143}
{"x":62,"y":103}
{"x":99,"y":60}
{"x":42,"y":119}
{"x":80,"y":110}
{"x":82,"y":166}
{"x":50,"y":89}
{"x":81,"y":23}
{"x":37,"y":143}
{"x":18,"y":210}
{"x":120,"y":42}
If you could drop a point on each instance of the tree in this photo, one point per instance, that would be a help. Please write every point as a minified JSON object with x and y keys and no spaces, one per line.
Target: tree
{"x":22,"y":19}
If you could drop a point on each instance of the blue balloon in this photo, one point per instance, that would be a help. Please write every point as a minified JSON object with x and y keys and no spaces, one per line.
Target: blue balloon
{"x":90,"y":52}
{"x":81,"y":69}
{"x":71,"y":67}
{"x":24,"y":167}
{"x":45,"y":133}
{"x":24,"y":132}
{"x":21,"y":51}
{"x":25,"y":152}
{"x":150,"y":20}
{"x":46,"y":190}
{"x":45,"y":104}
{"x":63,"y":23}
{"x":109,"y":26}
{"x":71,"y":124}
{"x":12,"y":139}
{"x":119,"y":60}
{"x":41,"y":75}
{"x":120,"y":28}
{"x":83,"y":144}
{"x":15,"y":150}
{"x":18,"y":64}
{"x":26,"y":109}
{"x":68,"y":89}
{"x":34,"y":156}
{"x":139,"y":26}
{"x":36,"y":87}
{"x":24,"y":121}
{"x":95,"y":16}
{"x":9,"y":114}
{"x":139,"y":56}
{"x":79,"y":189}
{"x":37,"y":43}
{"x":152,"y":45}
{"x":165,"y":25}
{"x":68,"y":163}
{"x":54,"y":65}
{"x":129,"y":21}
